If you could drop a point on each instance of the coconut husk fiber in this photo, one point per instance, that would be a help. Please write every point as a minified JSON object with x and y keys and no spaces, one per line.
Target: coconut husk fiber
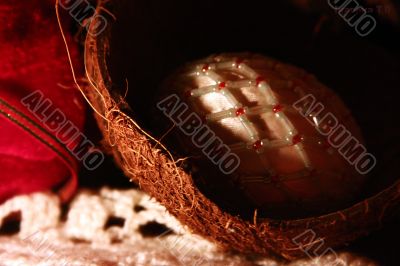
{"x":144,"y":41}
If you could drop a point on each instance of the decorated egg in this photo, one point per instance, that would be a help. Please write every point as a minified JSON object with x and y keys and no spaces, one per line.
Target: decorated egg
{"x":265,"y":134}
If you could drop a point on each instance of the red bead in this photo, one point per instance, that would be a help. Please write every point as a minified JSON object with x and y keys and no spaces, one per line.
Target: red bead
{"x":221,"y":85}
{"x":258,"y":145}
{"x":277,"y":108}
{"x":206,"y":67}
{"x":297,"y":139}
{"x":240,"y":111}
{"x":259,"y":80}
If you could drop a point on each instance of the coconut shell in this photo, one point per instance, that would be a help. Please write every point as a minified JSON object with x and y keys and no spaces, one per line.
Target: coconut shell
{"x":149,"y":164}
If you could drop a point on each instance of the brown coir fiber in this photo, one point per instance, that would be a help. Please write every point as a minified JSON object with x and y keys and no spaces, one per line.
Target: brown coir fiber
{"x":146,"y":162}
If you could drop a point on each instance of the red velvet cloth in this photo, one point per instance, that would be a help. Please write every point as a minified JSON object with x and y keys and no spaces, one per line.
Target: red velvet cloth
{"x":33,"y":57}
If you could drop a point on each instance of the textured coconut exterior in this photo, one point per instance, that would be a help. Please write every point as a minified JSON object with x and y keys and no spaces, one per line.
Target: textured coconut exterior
{"x":146,"y":163}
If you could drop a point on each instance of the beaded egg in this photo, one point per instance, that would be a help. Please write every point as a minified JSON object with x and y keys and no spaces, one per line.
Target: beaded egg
{"x":267,"y":133}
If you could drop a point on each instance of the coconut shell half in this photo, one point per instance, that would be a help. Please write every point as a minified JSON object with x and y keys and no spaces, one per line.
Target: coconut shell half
{"x":144,"y":41}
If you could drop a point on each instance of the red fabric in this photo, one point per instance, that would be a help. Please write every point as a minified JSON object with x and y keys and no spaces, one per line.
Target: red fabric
{"x":33,"y":57}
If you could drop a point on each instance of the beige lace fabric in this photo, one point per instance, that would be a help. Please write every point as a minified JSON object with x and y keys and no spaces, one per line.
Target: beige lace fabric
{"x":116,"y":227}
